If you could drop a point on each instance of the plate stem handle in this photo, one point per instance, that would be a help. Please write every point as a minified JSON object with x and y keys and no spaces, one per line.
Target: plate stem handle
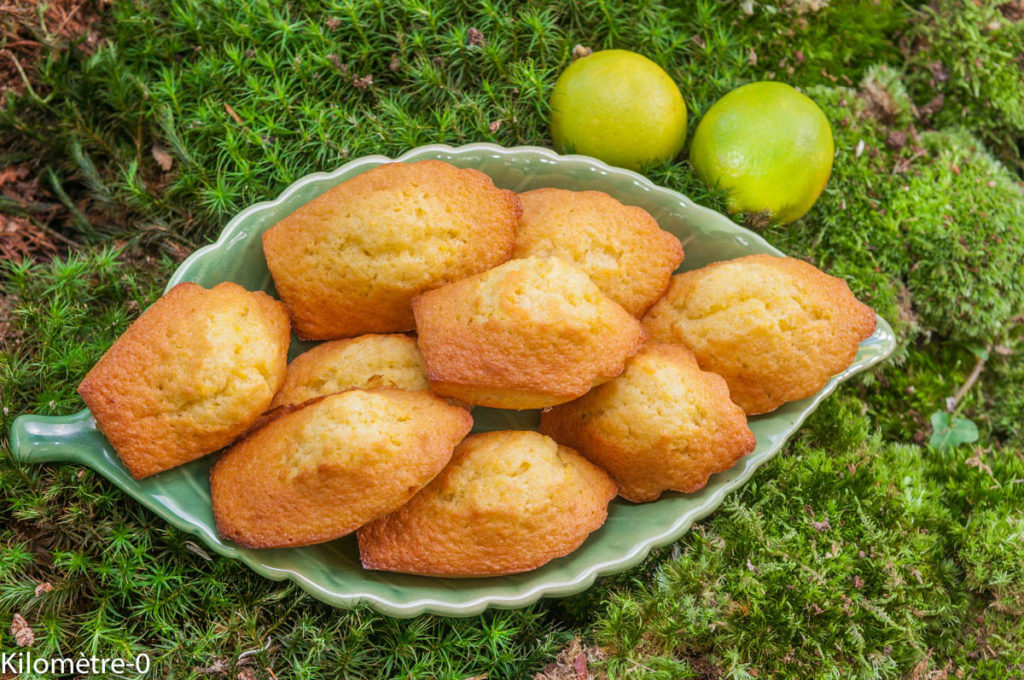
{"x":45,"y":439}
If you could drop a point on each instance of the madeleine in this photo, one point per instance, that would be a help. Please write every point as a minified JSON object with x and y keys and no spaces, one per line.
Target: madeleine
{"x":351,"y":260}
{"x":529,"y":333}
{"x":191,"y":374}
{"x":663,"y":424}
{"x":620,"y":247}
{"x":324,"y":470}
{"x":775,"y":328}
{"x":367,"y":362}
{"x":508,"y":502}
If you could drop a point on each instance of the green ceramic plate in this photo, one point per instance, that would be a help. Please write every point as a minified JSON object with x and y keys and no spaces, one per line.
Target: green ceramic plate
{"x":331,"y":572}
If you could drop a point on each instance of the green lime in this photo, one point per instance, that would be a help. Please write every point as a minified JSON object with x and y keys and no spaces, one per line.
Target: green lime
{"x":618,"y":106}
{"x":768,"y":146}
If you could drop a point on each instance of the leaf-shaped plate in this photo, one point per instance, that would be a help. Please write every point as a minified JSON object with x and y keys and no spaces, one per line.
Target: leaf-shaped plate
{"x":331,"y":572}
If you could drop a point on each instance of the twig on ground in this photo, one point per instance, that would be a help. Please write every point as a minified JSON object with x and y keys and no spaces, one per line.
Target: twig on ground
{"x":954,"y":403}
{"x":250,"y":652}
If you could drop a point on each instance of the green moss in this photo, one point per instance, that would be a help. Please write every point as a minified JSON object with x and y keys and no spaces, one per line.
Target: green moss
{"x":993,"y":646}
{"x":992,"y":545}
{"x":64,"y":315}
{"x":971,"y":54}
{"x":964,"y":232}
{"x":902,"y":397}
{"x":1000,"y":387}
{"x":799,"y":38}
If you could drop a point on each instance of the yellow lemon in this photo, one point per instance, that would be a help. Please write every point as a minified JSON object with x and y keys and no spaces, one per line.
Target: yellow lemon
{"x":618,"y":106}
{"x":768,"y":146}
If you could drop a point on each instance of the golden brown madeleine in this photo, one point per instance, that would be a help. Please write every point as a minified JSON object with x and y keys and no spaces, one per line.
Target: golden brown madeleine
{"x":351,"y":260}
{"x":620,"y":247}
{"x":508,"y":502}
{"x":663,"y":424}
{"x":324,"y":470}
{"x":367,"y":362}
{"x":189,"y":376}
{"x":528,"y":334}
{"x":775,"y":328}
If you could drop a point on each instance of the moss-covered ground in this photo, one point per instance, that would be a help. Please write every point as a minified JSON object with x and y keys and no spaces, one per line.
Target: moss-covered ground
{"x":861,"y":551}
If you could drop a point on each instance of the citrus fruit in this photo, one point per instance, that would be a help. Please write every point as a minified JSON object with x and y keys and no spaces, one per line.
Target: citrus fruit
{"x":768,"y":146}
{"x":618,"y":106}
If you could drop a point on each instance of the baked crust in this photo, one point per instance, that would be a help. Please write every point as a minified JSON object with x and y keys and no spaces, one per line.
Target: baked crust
{"x":620,"y":247}
{"x":507,"y":502}
{"x":366,"y":362}
{"x":529,"y":333}
{"x":322,"y":471}
{"x":663,"y":424}
{"x":775,"y":328}
{"x":189,"y":375}
{"x":351,"y":260}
